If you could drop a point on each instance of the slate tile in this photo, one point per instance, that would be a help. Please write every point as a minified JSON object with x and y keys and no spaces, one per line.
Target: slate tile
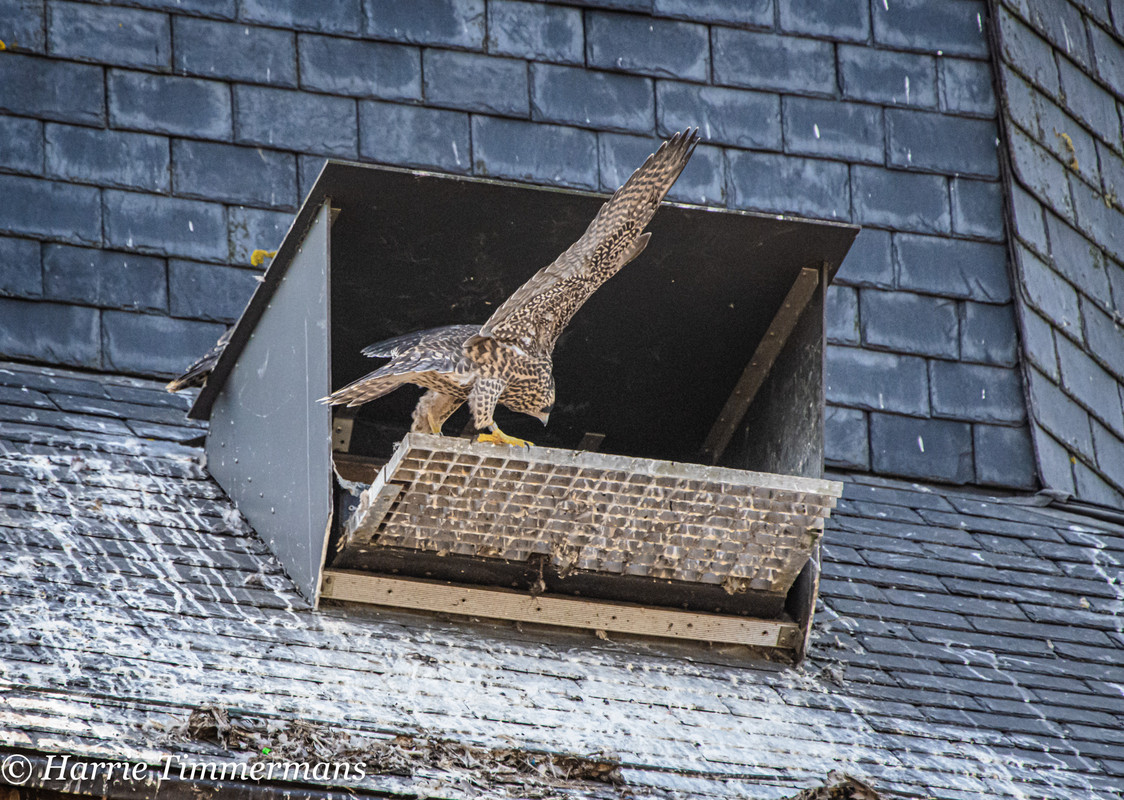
{"x":128,"y":341}
{"x":209,"y":170}
{"x":703,"y":181}
{"x":1105,"y":336}
{"x":1112,"y":174}
{"x":741,"y":13}
{"x":830,"y":128}
{"x":724,"y":116}
{"x":498,"y":85}
{"x":914,"y":497}
{"x":971,"y":607}
{"x":842,"y":311}
{"x":328,"y":16}
{"x":21,"y":145}
{"x":1095,"y":388}
{"x":104,"y":278}
{"x":1027,"y":51}
{"x":533,"y":152}
{"x":108,"y":158}
{"x":165,"y":225}
{"x":976,"y":392}
{"x":222,"y":9}
{"x":661,"y":48}
{"x":769,"y":61}
{"x":53,"y":332}
{"x":901,"y":200}
{"x":1028,"y":216}
{"x":984,"y":691}
{"x":24,"y":25}
{"x":250,"y":229}
{"x":1049,"y":293}
{"x":953,"y":28}
{"x":1079,"y":260}
{"x":789,"y":184}
{"x":312,"y":123}
{"x":942,"y":143}
{"x":412,"y":136}
{"x":877,"y":381}
{"x":170,"y":104}
{"x":910,"y":323}
{"x":232,"y":51}
{"x":888,"y":611}
{"x":123,"y":37}
{"x":1038,"y":334}
{"x":952,"y":267}
{"x":1109,"y":52}
{"x":536,"y":31}
{"x":988,"y":334}
{"x":455,"y":23}
{"x":1061,"y":23}
{"x":886,"y":76}
{"x":884,"y":578}
{"x":1004,"y":456}
{"x":623,"y":103}
{"x":1089,"y":102}
{"x":52,"y":89}
{"x":1092,"y":488}
{"x":846,"y":20}
{"x":966,"y":86}
{"x":53,"y":209}
{"x":869,"y":262}
{"x":1096,"y":219}
{"x":981,"y":641}
{"x":922,"y":448}
{"x":208,"y":291}
{"x":845,"y":438}
{"x":1055,"y":463}
{"x":21,"y":273}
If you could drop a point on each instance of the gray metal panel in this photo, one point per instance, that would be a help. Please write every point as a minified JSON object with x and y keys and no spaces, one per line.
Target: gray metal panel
{"x":270,"y":441}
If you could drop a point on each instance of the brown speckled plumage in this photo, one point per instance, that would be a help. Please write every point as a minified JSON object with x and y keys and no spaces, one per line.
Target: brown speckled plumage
{"x":508,"y":359}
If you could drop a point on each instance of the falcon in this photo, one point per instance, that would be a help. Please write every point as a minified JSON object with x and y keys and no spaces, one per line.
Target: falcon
{"x":507,"y":360}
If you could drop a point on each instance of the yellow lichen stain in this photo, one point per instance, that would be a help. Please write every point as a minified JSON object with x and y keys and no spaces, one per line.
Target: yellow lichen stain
{"x":258,"y":256}
{"x":1111,"y":199}
{"x":2,"y":45}
{"x":1070,"y":150}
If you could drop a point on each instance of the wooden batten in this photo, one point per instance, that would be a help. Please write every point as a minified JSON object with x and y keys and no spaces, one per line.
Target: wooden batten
{"x":593,"y":615}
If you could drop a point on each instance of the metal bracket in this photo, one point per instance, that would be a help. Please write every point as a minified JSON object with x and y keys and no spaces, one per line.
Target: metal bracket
{"x":759,"y":365}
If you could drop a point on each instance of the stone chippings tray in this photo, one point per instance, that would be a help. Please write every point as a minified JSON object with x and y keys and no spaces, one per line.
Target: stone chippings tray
{"x":594,"y":512}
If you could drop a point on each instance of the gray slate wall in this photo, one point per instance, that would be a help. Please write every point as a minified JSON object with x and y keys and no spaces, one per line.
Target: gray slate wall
{"x":146,"y":148}
{"x":1062,"y":70}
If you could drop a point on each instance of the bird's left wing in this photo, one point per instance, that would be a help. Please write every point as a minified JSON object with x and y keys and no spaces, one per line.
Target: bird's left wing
{"x":535,"y":315}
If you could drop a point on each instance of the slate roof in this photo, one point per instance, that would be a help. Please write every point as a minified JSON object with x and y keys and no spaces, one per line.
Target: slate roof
{"x":967,"y":646}
{"x":152,"y":146}
{"x":1061,"y":69}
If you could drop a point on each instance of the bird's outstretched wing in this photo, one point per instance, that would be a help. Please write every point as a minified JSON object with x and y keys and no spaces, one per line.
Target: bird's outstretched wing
{"x":535,"y":315}
{"x":197,"y":373}
{"x":414,"y":358}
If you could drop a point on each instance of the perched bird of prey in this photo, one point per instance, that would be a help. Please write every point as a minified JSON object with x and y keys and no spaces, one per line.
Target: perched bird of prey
{"x":507,"y":360}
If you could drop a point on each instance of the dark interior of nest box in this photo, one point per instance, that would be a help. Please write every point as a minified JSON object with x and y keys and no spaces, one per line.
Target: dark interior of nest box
{"x":648,"y":362}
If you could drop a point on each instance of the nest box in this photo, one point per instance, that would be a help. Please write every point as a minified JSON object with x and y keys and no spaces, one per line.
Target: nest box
{"x":678,"y":489}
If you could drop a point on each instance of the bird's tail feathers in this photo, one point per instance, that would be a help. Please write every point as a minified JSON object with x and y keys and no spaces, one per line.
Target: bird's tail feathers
{"x":365,"y":389}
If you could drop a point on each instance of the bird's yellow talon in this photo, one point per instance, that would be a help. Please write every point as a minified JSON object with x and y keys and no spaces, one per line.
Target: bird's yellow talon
{"x":499,"y":437}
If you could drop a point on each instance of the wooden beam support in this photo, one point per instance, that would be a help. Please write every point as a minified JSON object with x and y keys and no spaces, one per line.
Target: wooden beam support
{"x":504,"y":604}
{"x":759,"y":365}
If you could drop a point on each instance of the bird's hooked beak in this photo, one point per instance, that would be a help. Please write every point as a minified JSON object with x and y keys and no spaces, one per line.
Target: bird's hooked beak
{"x":543,"y":416}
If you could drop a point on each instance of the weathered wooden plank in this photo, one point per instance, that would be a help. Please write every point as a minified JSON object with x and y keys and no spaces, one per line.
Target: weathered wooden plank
{"x":566,"y":612}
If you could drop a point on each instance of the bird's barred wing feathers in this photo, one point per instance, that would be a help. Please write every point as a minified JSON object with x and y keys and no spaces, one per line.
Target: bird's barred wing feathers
{"x":439,"y":337}
{"x":197,"y":373}
{"x":436,"y":350}
{"x":535,"y":315}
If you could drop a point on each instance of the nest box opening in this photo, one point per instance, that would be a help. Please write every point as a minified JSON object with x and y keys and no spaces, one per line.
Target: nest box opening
{"x":704,"y":353}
